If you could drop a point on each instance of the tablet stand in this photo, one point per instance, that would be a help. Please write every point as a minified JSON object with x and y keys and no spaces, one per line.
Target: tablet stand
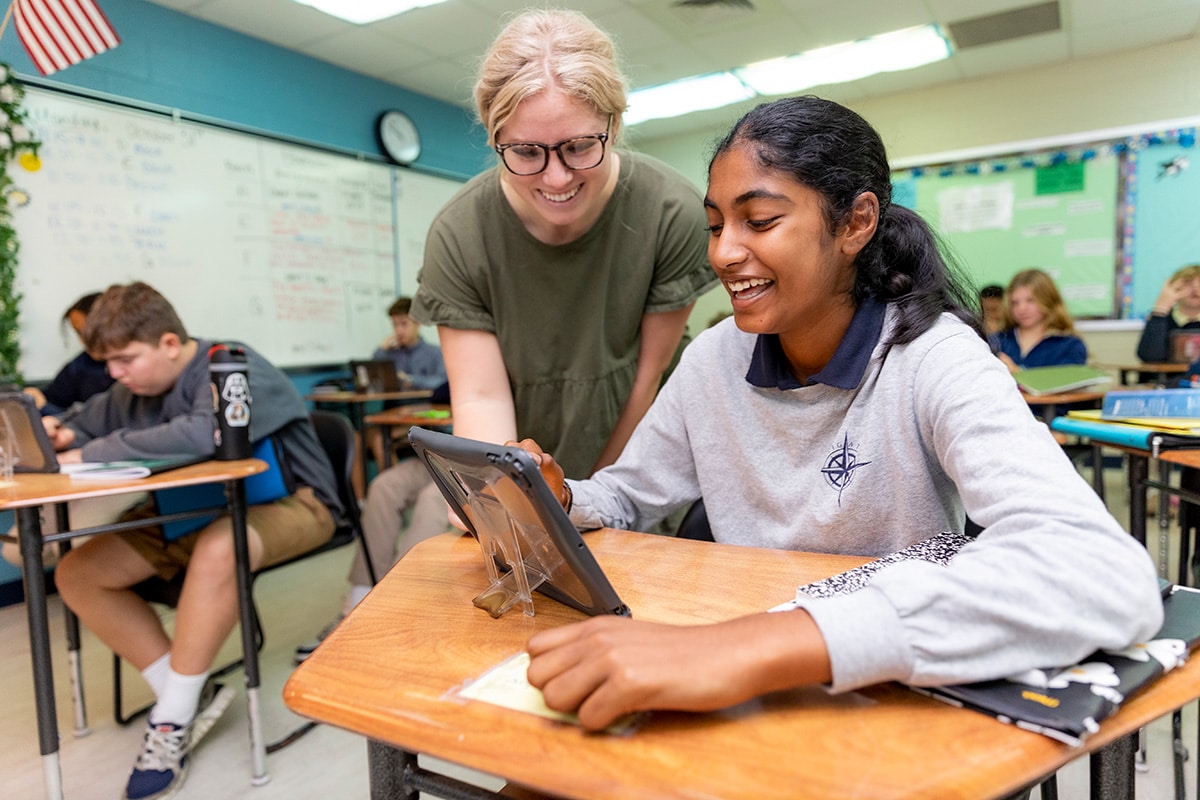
{"x":516,"y":552}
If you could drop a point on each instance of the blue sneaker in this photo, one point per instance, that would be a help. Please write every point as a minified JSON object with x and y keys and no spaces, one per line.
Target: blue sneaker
{"x":162,"y":765}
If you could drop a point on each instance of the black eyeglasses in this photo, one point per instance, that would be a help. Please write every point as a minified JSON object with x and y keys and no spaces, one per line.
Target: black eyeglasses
{"x":579,"y":152}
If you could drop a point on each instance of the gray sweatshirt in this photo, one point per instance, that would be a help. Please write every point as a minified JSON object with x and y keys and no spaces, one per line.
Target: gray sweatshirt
{"x":888,"y":451}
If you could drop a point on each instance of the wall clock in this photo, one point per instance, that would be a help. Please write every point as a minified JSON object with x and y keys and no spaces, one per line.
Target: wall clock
{"x":398,"y":137}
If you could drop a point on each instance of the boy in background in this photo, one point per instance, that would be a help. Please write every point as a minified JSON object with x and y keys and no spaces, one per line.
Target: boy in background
{"x":162,"y":406}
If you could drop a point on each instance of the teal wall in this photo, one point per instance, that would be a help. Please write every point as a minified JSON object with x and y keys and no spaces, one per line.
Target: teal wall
{"x":170,"y":59}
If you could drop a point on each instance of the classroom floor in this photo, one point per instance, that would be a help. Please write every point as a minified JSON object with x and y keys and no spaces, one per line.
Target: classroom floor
{"x":325,"y":763}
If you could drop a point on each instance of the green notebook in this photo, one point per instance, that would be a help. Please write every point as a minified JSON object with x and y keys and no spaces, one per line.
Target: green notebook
{"x":1052,"y":380}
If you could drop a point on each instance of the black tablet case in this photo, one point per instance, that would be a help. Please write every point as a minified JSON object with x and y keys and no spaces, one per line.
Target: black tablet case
{"x":500,"y":495}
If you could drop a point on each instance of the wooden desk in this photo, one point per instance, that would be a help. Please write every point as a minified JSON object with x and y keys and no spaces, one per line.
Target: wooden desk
{"x":27,"y":493}
{"x":406,"y":417}
{"x":355,"y":401}
{"x":386,"y":672}
{"x":1165,"y":374}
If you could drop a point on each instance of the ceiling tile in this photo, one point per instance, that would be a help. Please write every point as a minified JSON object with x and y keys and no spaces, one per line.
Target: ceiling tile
{"x":280,"y":22}
{"x":1031,"y":51}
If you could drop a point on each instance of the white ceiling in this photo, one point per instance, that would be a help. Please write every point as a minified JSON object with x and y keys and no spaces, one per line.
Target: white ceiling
{"x":434,"y":50}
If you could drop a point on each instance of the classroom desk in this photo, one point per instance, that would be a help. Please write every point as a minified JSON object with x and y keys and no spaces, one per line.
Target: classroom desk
{"x":386,"y":672}
{"x":356,"y":401}
{"x":1165,"y":374}
{"x":406,"y":417}
{"x":27,"y":493}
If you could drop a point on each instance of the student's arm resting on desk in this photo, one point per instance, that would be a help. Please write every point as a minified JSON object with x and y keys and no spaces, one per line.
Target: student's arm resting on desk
{"x":118,"y":425}
{"x":1052,"y":578}
{"x":608,"y":666}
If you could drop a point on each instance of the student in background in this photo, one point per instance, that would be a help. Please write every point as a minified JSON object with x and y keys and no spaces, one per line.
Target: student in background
{"x":1177,"y":308}
{"x":82,"y":376}
{"x":1038,"y":329}
{"x":418,"y":363}
{"x":991,"y":306}
{"x":871,"y":415}
{"x":162,"y":406}
{"x":560,"y":280}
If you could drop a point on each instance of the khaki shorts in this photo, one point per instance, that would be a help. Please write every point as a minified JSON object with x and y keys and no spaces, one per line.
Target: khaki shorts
{"x":287,"y":528}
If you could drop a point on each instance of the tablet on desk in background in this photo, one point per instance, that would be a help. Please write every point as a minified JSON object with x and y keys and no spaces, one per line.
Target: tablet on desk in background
{"x":528,"y":542}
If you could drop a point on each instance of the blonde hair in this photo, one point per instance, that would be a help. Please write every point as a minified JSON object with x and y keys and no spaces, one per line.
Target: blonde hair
{"x":546,"y":48}
{"x":1186,"y":273}
{"x":1045,"y":294}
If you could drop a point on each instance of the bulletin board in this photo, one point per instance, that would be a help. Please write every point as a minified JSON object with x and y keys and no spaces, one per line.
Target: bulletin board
{"x":1001,"y":217}
{"x":293,"y":250}
{"x":1163,"y":181}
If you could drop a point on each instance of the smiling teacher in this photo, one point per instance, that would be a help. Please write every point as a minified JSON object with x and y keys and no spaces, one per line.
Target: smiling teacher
{"x":561,"y":279}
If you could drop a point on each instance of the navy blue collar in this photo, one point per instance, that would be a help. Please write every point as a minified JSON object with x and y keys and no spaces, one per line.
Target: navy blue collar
{"x":769,"y":368}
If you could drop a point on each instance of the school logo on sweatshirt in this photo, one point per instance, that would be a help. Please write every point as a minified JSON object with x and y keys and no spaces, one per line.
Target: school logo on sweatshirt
{"x":841,"y":466}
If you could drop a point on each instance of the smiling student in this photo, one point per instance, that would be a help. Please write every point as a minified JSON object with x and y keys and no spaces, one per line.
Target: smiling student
{"x":870,"y":415}
{"x":560,"y":280}
{"x":1038,"y":330}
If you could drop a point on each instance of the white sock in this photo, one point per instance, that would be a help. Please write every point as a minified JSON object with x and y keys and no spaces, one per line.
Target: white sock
{"x":156,"y":674}
{"x":354,"y":597}
{"x":178,"y":701}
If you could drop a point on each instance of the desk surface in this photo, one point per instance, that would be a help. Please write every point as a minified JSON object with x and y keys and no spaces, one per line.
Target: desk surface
{"x":386,"y":671}
{"x":411,"y":415}
{"x":1062,"y":398}
{"x":367,"y":397}
{"x":32,"y":489}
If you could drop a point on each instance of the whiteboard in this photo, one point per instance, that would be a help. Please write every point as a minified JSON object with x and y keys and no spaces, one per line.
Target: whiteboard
{"x":293,"y":250}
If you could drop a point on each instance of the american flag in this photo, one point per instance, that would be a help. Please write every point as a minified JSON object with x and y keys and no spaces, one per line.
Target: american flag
{"x":59,"y":33}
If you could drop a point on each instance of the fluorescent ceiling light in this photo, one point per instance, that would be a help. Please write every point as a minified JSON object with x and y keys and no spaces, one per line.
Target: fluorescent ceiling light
{"x":684,"y":96}
{"x":360,"y":12}
{"x":839,"y":63}
{"x":842,"y":63}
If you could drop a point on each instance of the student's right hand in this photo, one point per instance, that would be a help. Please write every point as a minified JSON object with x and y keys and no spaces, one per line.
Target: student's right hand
{"x":1168,"y":297}
{"x":61,"y":437}
{"x":550,"y":469}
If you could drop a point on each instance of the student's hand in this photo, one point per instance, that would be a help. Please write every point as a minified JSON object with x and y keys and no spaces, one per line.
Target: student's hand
{"x":389,"y":343}
{"x":606,"y":667}
{"x":61,"y":437}
{"x":404,"y":378}
{"x":71,"y":456}
{"x":1008,"y":362}
{"x":1168,"y":297}
{"x":550,"y":469}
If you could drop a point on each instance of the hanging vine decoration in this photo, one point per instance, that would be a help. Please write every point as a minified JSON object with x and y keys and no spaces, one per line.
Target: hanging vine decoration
{"x":17,"y":143}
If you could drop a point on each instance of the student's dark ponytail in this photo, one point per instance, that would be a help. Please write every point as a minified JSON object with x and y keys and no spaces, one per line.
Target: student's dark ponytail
{"x":832,"y":150}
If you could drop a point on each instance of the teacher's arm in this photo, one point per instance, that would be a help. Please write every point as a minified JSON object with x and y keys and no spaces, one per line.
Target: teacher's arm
{"x":481,"y":400}
{"x":661,"y":333}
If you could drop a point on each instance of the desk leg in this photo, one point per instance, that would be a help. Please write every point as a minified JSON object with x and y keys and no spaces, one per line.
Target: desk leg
{"x":1139,"y":469}
{"x":1112,"y":770}
{"x":71,"y":625}
{"x":364,"y":452}
{"x":29,"y":530}
{"x":386,"y":433}
{"x":236,"y":496}
{"x":394,"y":775}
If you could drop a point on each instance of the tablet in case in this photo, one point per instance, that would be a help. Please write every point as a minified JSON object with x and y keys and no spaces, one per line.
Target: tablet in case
{"x":22,"y":433}
{"x":529,"y":544}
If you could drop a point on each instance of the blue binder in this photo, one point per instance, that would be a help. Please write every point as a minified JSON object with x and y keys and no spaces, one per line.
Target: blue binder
{"x":1118,"y":433}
